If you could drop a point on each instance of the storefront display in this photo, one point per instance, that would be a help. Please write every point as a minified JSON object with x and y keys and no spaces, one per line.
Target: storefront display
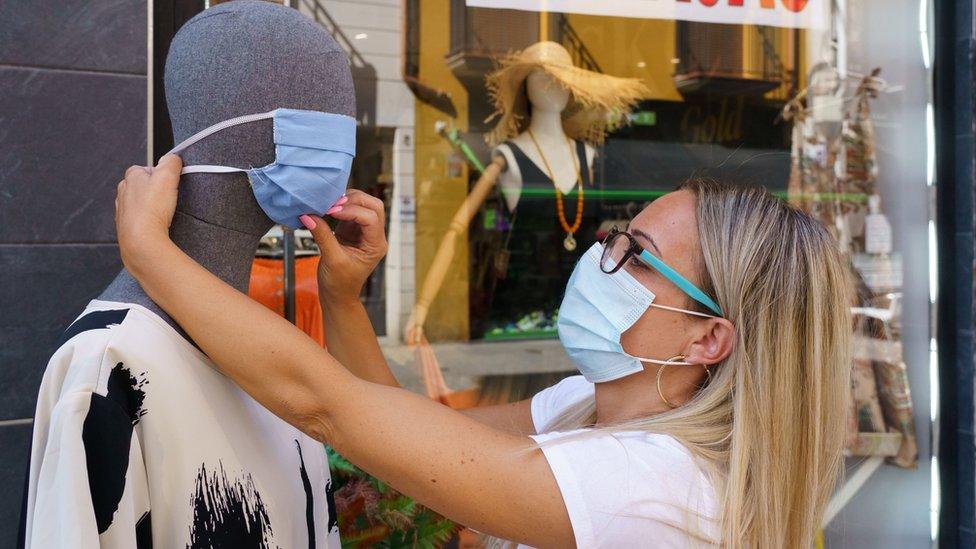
{"x":725,"y":101}
{"x":537,"y":91}
{"x":505,"y":140}
{"x":834,"y":179}
{"x":528,"y":134}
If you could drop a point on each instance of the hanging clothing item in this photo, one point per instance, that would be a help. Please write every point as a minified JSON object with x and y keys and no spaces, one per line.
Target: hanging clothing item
{"x":538,"y":264}
{"x":860,"y":171}
{"x":267,"y":287}
{"x":813,"y":185}
{"x":832,"y":179}
{"x":139,"y":441}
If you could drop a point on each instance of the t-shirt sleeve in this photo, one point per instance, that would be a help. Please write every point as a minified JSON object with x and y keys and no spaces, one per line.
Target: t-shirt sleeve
{"x":549,"y":403}
{"x":87,"y":485}
{"x":622,"y":490}
{"x":90,"y":488}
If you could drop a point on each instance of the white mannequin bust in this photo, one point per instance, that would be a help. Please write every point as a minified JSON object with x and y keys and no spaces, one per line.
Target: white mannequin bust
{"x":548,"y":100}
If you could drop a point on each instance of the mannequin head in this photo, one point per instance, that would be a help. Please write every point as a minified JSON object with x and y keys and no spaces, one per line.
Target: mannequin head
{"x":545,"y":93}
{"x":238,"y":58}
{"x":594,"y":103}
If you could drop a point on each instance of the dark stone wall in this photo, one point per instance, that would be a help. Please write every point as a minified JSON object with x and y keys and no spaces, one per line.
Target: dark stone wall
{"x":72,"y":118}
{"x":954,"y":103}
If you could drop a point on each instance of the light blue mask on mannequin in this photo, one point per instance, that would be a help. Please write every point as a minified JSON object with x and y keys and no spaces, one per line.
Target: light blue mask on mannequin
{"x":313,"y":157}
{"x":596,"y":310}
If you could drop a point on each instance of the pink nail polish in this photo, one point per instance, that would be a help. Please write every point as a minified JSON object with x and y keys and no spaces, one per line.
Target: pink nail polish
{"x":334,"y":210}
{"x":341,"y":201}
{"x":307,"y":221}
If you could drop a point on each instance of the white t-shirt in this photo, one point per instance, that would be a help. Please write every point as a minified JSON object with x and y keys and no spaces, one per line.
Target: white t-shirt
{"x":627,"y":489}
{"x":139,"y":442}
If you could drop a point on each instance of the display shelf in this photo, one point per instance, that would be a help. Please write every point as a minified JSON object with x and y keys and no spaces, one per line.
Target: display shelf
{"x":852,"y":485}
{"x":876,"y":445}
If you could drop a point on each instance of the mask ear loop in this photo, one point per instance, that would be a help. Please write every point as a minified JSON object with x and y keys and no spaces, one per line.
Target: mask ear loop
{"x":207,"y":132}
{"x":660,"y":372}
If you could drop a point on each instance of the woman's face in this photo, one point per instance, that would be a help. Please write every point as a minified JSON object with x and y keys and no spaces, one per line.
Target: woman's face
{"x":667,"y":228}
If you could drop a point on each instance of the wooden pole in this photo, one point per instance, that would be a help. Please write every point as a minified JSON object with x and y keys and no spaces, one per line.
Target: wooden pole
{"x":445,"y":252}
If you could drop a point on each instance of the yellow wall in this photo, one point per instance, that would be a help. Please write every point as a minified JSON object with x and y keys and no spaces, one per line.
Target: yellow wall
{"x":619,"y":45}
{"x":438,"y":194}
{"x":644,"y":48}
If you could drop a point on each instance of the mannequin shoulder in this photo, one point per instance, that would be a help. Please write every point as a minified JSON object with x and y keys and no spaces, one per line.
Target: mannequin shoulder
{"x":503,"y":151}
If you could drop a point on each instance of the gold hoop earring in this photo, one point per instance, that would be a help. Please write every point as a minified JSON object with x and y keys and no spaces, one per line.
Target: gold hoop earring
{"x":660,"y":371}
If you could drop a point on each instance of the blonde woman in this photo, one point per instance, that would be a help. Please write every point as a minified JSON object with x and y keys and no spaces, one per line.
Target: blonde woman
{"x":712,"y":338}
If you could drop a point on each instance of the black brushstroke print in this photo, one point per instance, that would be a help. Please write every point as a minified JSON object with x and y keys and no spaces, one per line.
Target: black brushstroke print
{"x":107,"y":435}
{"x":144,"y":531}
{"x":228,"y":514}
{"x":330,"y":501}
{"x":309,"y":499}
{"x":126,"y":390}
{"x":95,"y":320}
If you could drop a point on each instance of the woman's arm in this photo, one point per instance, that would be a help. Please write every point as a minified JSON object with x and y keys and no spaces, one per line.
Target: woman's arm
{"x":487,"y":479}
{"x":515,"y":417}
{"x":348,"y":257}
{"x":350,"y":339}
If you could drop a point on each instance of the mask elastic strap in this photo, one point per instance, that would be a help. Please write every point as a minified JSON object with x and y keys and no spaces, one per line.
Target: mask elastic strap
{"x":663,"y":362}
{"x":207,"y":132}
{"x":205,"y":168}
{"x":685,"y":311}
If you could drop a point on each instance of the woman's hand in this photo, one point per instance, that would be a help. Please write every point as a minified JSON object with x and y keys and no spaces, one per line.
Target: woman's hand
{"x":144,"y":206}
{"x":353,"y":251}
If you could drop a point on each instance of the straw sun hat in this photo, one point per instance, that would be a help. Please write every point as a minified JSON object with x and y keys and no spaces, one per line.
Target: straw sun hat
{"x":599,"y":103}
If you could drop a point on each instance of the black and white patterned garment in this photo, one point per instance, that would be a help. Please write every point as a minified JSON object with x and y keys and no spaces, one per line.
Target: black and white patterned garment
{"x":139,"y":441}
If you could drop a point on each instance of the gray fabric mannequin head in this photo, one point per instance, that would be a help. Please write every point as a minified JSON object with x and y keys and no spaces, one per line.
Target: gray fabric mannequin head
{"x":237,"y":58}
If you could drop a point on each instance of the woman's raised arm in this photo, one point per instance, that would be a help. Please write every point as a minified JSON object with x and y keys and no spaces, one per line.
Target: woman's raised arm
{"x":487,"y":479}
{"x":348,"y":257}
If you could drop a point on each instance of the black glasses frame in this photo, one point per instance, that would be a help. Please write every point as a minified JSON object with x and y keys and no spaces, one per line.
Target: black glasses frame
{"x":633,"y":249}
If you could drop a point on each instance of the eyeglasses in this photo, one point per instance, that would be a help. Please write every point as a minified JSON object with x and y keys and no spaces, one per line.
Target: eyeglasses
{"x":620,"y":246}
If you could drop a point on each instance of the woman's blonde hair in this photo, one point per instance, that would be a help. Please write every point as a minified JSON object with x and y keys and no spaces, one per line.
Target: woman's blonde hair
{"x":769,"y":426}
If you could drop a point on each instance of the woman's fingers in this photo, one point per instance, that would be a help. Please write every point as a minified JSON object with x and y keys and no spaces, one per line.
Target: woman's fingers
{"x":167,"y":171}
{"x":147,"y":194}
{"x":370,"y":223}
{"x":360,"y":198}
{"x":145,"y":202}
{"x":136,"y":174}
{"x":322,"y":234}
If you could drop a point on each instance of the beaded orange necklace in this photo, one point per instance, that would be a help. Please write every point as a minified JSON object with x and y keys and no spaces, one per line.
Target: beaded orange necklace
{"x":569,"y":242}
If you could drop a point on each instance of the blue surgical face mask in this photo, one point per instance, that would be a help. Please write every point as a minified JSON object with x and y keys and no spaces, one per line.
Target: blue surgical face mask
{"x":596,"y":310}
{"x":313,"y":157}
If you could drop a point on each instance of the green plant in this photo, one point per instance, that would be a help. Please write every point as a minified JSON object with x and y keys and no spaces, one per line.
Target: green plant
{"x":371,"y":514}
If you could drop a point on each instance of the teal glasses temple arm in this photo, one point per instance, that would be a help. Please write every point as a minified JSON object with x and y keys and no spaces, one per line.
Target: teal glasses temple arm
{"x":681,"y":282}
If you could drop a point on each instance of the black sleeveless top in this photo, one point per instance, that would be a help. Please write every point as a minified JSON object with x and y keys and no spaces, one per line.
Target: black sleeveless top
{"x":524,"y":300}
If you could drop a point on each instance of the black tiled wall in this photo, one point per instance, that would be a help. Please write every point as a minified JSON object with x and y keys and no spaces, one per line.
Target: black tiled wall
{"x":73,"y":112}
{"x":954,"y":95}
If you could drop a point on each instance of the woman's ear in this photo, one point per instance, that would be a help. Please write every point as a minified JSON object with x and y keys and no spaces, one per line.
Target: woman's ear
{"x":714,"y":343}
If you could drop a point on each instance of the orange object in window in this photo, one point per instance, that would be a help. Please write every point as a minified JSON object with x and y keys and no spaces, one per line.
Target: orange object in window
{"x":268,"y":288}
